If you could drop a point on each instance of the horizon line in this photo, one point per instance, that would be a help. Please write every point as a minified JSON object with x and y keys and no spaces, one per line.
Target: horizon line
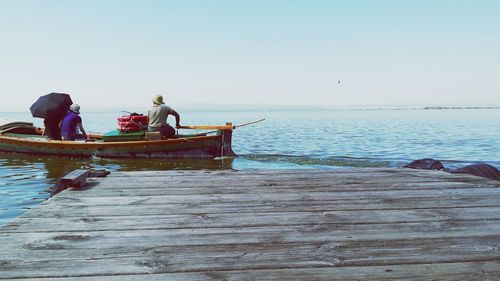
{"x":254,"y":107}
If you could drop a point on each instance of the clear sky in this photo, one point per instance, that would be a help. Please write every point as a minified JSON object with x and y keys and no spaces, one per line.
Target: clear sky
{"x":118,"y":53}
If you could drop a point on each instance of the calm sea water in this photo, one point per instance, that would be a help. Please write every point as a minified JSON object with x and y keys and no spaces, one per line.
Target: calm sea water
{"x":288,"y":139}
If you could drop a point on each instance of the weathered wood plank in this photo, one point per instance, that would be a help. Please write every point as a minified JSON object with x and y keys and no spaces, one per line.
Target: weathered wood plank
{"x":350,"y":175}
{"x":285,"y":172}
{"x":248,"y":235}
{"x":427,"y":176}
{"x":480,"y":270}
{"x":68,"y":209}
{"x":116,"y":189}
{"x":257,"y":218}
{"x":75,"y":178}
{"x":276,"y":197}
{"x":340,"y":253}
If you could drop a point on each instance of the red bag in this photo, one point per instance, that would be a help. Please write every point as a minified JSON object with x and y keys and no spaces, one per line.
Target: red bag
{"x":143,"y":119}
{"x":132,"y":123}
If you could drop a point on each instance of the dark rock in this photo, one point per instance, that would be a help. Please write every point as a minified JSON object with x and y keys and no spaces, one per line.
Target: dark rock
{"x":480,"y":170}
{"x":426,"y":164}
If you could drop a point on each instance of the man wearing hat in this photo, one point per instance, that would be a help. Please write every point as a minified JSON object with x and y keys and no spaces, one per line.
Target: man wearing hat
{"x":157,"y":118}
{"x":71,"y":122}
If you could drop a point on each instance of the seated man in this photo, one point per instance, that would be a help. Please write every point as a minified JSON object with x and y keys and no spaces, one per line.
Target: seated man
{"x":70,"y":123}
{"x":157,"y":116}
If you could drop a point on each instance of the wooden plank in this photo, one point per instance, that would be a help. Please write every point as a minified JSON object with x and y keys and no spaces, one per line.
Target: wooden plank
{"x":257,"y":218}
{"x":182,"y":188}
{"x":254,"y":256}
{"x":258,"y":172}
{"x":296,"y":174}
{"x":453,"y":271}
{"x":75,"y":178}
{"x":249,"y":235}
{"x":276,"y":197}
{"x":69,"y":209}
{"x":263,"y":181}
{"x":305,"y":174}
{"x":348,"y":253}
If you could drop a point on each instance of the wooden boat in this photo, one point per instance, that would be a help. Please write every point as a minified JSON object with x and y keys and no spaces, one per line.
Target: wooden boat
{"x":22,"y":138}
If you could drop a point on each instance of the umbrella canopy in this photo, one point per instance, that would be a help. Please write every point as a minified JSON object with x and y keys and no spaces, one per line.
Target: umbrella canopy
{"x":53,"y":105}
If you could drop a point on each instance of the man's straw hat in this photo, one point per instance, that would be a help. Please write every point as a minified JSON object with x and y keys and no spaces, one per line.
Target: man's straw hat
{"x":158,"y":99}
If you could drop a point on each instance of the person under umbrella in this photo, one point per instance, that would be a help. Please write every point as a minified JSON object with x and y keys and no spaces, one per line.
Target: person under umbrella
{"x":52,"y":107}
{"x":52,"y":130}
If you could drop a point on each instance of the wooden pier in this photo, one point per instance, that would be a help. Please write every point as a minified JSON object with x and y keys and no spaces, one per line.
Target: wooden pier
{"x":352,"y":224}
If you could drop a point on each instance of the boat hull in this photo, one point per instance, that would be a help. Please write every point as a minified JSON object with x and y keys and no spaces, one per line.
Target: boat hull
{"x":193,"y":147}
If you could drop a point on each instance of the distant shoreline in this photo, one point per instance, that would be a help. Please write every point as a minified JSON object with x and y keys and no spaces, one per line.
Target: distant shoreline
{"x":461,"y":107}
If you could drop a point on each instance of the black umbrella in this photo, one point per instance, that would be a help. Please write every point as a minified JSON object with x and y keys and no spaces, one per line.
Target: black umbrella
{"x":53,"y":105}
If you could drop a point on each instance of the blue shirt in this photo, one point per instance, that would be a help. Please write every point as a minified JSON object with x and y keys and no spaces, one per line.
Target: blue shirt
{"x":69,"y":124}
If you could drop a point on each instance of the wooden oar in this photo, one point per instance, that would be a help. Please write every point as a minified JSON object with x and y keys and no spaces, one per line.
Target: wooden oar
{"x":223,"y":127}
{"x":250,"y":123}
{"x":228,"y":126}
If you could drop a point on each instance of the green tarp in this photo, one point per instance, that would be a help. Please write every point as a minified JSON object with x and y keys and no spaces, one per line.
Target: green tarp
{"x":116,"y":135}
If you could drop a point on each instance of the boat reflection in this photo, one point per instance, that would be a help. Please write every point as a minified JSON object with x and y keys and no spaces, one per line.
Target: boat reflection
{"x":57,"y":166}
